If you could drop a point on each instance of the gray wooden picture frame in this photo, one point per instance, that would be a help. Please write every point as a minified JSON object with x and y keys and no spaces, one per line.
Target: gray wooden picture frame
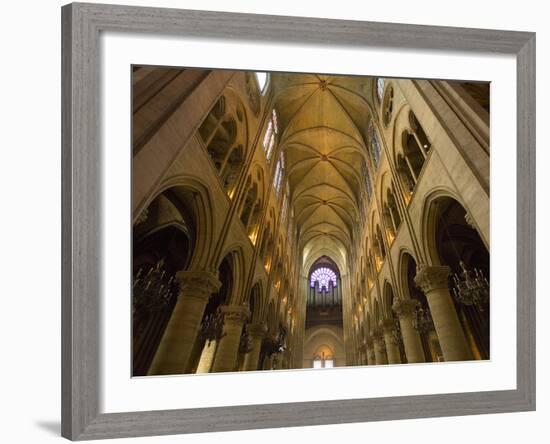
{"x":81,"y":172}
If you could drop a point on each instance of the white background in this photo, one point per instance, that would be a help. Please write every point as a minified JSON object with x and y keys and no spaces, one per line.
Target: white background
{"x":30,"y":222}
{"x":121,"y":393}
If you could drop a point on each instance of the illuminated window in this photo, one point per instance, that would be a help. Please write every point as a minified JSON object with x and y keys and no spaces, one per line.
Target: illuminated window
{"x":323,"y":362}
{"x":380,"y":88}
{"x":270,"y":134}
{"x":286,"y":200}
{"x":261,"y":77}
{"x":279,"y":173}
{"x":322,"y":277}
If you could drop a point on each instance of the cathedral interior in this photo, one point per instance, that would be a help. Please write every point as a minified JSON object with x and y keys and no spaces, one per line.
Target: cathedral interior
{"x":289,"y":221}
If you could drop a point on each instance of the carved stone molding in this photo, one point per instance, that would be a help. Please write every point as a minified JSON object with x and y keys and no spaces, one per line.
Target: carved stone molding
{"x":429,"y":278}
{"x":470,"y":221}
{"x":257,"y":330}
{"x":405,"y":307}
{"x":377,"y":335}
{"x":142,"y":216}
{"x":235,"y":313}
{"x":388,"y":325}
{"x":198,"y":284}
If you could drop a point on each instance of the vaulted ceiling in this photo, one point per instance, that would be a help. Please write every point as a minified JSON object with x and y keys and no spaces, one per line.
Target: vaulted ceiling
{"x":323,"y":121}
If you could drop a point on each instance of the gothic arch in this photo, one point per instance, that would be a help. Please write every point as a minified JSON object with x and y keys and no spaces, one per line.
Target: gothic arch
{"x":239,"y":264}
{"x":198,"y":201}
{"x":406,"y":260}
{"x":224,"y":133}
{"x":430,"y":213}
{"x":388,"y":300}
{"x":257,"y":302}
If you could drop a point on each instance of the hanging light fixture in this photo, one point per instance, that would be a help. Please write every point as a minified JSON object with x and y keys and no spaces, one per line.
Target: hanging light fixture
{"x":471,"y":287}
{"x":397,"y":338}
{"x":423,"y":321}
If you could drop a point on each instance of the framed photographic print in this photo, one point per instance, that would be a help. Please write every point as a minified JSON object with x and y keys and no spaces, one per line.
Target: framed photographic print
{"x":277,"y":221}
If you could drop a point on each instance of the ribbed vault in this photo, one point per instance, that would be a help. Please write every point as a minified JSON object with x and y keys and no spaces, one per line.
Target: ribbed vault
{"x":323,"y":121}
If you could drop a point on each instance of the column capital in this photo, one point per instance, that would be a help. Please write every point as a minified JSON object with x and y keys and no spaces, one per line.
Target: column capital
{"x":429,"y":278}
{"x":199,"y":284}
{"x":235,"y":313}
{"x":377,"y":334}
{"x":404,"y":307}
{"x":388,"y":325}
{"x":257,"y":330}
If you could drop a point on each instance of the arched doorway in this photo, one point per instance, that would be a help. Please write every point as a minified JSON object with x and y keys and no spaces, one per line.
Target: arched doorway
{"x":163,"y":245}
{"x":324,"y":314}
{"x":455,"y":242}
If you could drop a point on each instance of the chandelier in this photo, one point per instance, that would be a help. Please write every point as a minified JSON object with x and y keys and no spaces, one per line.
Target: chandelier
{"x":211,"y":328}
{"x":423,"y":321}
{"x":245,"y":343}
{"x":397,"y":337}
{"x":153,"y":289}
{"x":471,"y":287}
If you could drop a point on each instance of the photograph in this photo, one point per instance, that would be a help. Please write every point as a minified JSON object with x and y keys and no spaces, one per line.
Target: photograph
{"x":290,"y":221}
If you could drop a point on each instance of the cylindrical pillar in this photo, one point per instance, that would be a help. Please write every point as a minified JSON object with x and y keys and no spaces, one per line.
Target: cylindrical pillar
{"x":173,"y":352}
{"x":226,"y":355}
{"x":278,"y":361}
{"x":371,"y":358}
{"x":406,"y":311}
{"x":207,"y":357}
{"x":268,"y":362}
{"x":379,"y":347}
{"x":257,"y":333}
{"x":392,"y":349}
{"x":433,"y":280}
{"x":361,"y":354}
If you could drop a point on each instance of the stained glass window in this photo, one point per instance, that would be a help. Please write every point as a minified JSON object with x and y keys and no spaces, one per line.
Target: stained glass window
{"x":286,"y":199}
{"x":322,"y":362}
{"x":323,"y":276}
{"x":374,"y":145}
{"x":279,"y":173}
{"x":270,"y":134}
{"x":380,"y":88}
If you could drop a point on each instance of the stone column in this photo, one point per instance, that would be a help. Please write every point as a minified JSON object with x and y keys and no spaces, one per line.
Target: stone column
{"x":268,"y":363}
{"x":392,"y":349}
{"x":361,"y":353}
{"x":371,"y":358}
{"x":434,"y":283}
{"x":257,"y":333}
{"x":379,"y":347}
{"x":406,"y":311}
{"x":277,"y":361}
{"x":233,"y":320}
{"x":175,"y":347}
{"x":207,"y":357}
